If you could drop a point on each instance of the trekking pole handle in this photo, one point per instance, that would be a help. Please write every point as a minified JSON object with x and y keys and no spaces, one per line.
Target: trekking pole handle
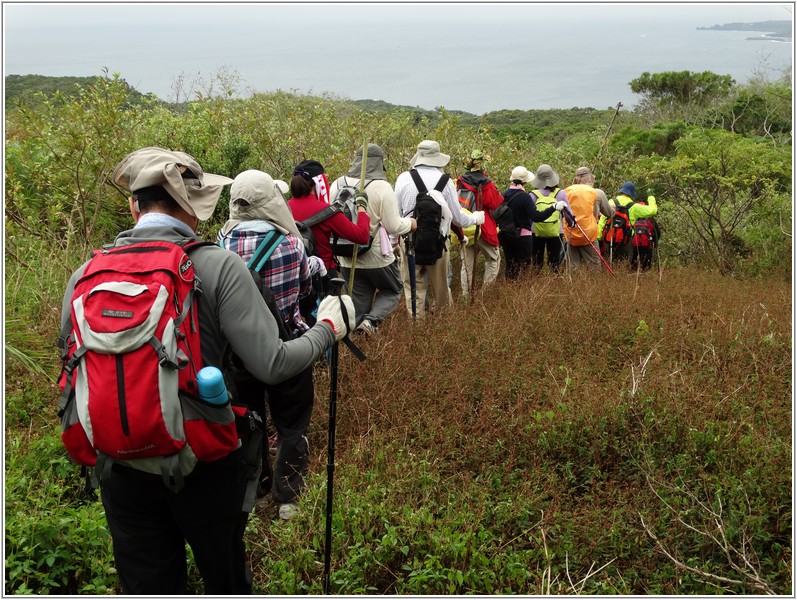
{"x":337,"y":284}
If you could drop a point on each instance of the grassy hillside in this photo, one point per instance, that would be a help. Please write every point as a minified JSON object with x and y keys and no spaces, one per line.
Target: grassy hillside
{"x":593,"y":435}
{"x":562,"y":435}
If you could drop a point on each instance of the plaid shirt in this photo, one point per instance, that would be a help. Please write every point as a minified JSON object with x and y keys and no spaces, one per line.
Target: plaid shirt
{"x":286,"y":271}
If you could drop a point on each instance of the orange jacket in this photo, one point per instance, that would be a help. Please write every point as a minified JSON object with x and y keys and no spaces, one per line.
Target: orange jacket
{"x":582,"y":199}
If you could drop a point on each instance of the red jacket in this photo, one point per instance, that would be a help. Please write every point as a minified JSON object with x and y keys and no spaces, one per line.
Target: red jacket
{"x":306,"y":206}
{"x":491,"y":199}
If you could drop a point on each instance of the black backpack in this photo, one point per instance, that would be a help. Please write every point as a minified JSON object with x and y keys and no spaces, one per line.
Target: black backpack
{"x":428,"y":243}
{"x":504,"y":218}
{"x":305,"y":227}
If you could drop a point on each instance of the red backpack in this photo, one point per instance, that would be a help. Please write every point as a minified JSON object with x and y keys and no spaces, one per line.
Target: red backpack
{"x":130,"y":362}
{"x":618,"y":230}
{"x":645,"y":233}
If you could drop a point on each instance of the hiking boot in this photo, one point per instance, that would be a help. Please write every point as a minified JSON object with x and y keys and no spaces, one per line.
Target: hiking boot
{"x":287,"y":511}
{"x":263,"y":487}
{"x":367,"y":327}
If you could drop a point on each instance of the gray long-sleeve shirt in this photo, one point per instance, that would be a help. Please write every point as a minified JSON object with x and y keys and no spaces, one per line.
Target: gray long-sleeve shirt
{"x":231,"y":312}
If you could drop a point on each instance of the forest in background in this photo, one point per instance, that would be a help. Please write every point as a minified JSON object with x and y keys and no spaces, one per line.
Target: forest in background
{"x":590,"y":472}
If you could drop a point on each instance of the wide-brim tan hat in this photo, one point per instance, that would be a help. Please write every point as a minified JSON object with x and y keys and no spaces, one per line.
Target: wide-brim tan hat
{"x":521,"y":174}
{"x":178,"y":173}
{"x":428,"y":154}
{"x":545,"y":176}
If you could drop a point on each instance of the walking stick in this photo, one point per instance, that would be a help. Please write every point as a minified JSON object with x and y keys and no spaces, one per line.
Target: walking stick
{"x":603,"y":260}
{"x":362,"y":187}
{"x":575,"y":222}
{"x":475,"y":251}
{"x":409,"y":252}
{"x":337,"y":284}
{"x":606,"y":136}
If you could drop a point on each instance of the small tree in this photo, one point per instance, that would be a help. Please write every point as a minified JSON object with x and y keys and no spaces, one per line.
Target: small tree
{"x":683,"y":95}
{"x":718,"y":182}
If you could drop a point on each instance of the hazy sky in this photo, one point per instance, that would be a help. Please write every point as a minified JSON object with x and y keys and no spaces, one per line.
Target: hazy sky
{"x":381,"y":50}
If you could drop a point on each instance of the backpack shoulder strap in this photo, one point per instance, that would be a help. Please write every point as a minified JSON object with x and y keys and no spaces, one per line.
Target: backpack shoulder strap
{"x":321,"y":215}
{"x":193,"y":245}
{"x":265,"y":249}
{"x":416,"y":177}
{"x":441,"y":183}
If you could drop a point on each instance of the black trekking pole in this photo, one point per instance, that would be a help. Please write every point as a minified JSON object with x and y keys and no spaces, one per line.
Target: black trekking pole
{"x":337,"y":284}
{"x":409,"y":253}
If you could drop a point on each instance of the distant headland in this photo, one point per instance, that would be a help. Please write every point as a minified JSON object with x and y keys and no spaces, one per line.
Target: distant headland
{"x":774,"y":31}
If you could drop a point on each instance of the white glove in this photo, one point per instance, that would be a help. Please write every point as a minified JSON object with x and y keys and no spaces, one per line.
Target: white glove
{"x":478,"y":216}
{"x":330,"y":310}
{"x":560,"y":205}
{"x":316,"y":265}
{"x":464,"y":240}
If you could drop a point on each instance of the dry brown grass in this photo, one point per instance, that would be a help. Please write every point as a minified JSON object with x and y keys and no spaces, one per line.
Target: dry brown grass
{"x":544,"y":411}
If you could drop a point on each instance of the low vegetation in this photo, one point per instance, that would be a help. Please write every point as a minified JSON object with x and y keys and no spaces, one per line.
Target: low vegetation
{"x":561,"y":435}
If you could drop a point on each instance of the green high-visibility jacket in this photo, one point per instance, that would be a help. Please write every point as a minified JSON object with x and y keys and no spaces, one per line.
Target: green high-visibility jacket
{"x":637,"y":211}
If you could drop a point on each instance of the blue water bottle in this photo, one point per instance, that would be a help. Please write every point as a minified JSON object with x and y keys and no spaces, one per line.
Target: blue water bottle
{"x":211,"y":385}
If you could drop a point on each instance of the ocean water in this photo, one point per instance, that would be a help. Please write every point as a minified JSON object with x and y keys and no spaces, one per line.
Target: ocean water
{"x":471,"y":57}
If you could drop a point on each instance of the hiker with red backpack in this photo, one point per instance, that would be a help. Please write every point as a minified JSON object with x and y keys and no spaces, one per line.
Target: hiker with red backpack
{"x":616,"y":233}
{"x":427,"y":193}
{"x":261,"y":230}
{"x":587,"y":204}
{"x":644,"y":240}
{"x":477,"y":191}
{"x":142,"y":320}
{"x":377,"y":287}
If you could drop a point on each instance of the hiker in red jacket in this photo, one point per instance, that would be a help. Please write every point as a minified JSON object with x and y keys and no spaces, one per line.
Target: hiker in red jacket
{"x":305,"y":202}
{"x":477,"y":192}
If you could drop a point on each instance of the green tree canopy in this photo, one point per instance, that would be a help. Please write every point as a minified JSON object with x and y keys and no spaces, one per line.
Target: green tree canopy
{"x":682,"y":87}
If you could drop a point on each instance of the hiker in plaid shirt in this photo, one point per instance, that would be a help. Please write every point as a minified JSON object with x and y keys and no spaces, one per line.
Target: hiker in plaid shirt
{"x":258,"y":209}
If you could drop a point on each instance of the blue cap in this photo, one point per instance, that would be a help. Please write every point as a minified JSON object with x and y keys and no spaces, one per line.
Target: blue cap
{"x":211,"y":385}
{"x":629,"y":189}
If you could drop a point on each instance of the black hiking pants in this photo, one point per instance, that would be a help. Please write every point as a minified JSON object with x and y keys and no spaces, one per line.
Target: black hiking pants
{"x":553,"y":246}
{"x":641,"y":258}
{"x":290,"y":405}
{"x":517,"y":252}
{"x":150,"y":526}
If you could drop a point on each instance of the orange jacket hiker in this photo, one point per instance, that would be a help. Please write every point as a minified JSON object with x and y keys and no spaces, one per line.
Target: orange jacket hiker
{"x":582,"y":200}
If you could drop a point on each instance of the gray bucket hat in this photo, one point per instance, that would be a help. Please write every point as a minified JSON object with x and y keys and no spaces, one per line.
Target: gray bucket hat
{"x":545,"y":176}
{"x":429,"y":154}
{"x":180,"y":175}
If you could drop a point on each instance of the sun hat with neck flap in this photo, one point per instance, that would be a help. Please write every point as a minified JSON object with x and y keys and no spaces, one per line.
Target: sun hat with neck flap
{"x":374,"y":165}
{"x":428,"y":154}
{"x":254,"y":196}
{"x":178,"y":173}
